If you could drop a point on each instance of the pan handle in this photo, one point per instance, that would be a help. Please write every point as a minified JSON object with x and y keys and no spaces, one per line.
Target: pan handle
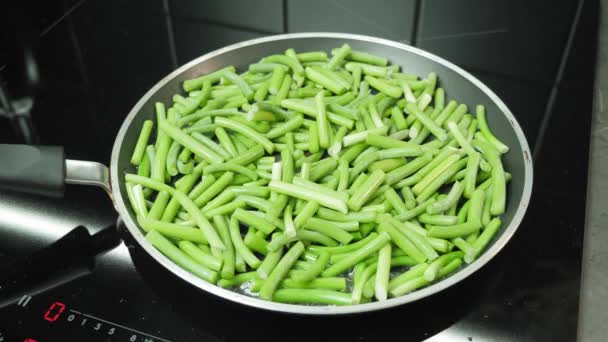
{"x":88,"y":173}
{"x":44,"y":170}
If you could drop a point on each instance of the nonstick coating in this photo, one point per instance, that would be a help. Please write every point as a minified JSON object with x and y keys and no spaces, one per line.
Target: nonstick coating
{"x":458,"y":84}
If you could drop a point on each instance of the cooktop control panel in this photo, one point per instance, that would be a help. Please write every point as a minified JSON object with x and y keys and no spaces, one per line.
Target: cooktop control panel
{"x":34,"y":319}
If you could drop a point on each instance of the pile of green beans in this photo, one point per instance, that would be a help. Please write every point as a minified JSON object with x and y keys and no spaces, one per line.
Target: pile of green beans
{"x":320,"y":179}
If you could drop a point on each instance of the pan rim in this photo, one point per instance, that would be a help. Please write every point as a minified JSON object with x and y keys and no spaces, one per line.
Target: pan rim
{"x":498,"y":245}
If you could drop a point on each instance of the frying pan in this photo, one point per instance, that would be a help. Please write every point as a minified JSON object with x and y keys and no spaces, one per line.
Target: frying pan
{"x":44,"y":170}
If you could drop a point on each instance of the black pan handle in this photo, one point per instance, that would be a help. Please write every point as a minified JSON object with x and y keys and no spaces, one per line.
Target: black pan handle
{"x":68,"y":258}
{"x":33,"y":169}
{"x":43,"y":170}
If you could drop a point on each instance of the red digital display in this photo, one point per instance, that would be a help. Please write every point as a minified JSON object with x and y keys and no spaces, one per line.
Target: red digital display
{"x":54,"y":311}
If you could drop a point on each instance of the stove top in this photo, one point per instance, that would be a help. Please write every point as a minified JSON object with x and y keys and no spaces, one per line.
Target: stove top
{"x":529,"y":292}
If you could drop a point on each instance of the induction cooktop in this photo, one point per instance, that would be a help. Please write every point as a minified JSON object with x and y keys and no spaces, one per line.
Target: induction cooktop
{"x":529,"y":292}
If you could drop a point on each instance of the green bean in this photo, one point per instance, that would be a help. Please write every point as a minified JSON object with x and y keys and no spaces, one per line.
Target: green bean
{"x":182,"y":259}
{"x":322,"y":121}
{"x":190,"y":143}
{"x":416,"y":211}
{"x":313,"y":271}
{"x":343,"y":176}
{"x":397,"y":175}
{"x":226,"y":142}
{"x":149,"y":183}
{"x":448,"y":202}
{"x":213,"y":189}
{"x":292,"y":63}
{"x":485,"y":130}
{"x":322,"y":79}
{"x":333,"y":231}
{"x":471,"y":174}
{"x":144,"y":166}
{"x":200,"y":219}
{"x":463,"y":212}
{"x":228,"y":255}
{"x":264,"y":67}
{"x":255,"y":242}
{"x":310,"y":110}
{"x":367,"y":69}
{"x":283,"y":90}
{"x":246,"y":131}
{"x":172,"y":230}
{"x":256,"y":202}
{"x":240,"y":82}
{"x":358,"y":255}
{"x":281,"y":269}
{"x":383,"y":272}
{"x":160,"y":203}
{"x":395,"y":201}
{"x":332,"y":283}
{"x":278,"y":73}
{"x":386,"y":142}
{"x":316,"y":237}
{"x":438,"y":220}
{"x":408,"y":197}
{"x":239,"y":264}
{"x":456,"y":114}
{"x":364,"y":57}
{"x":199,"y":256}
{"x":238,"y":279}
{"x":321,"y":169}
{"x":142,"y":141}
{"x":432,"y":271}
{"x":339,"y":56}
{"x":252,"y":220}
{"x":466,"y":248}
{"x":344,"y":79}
{"x":363,"y":193}
{"x":440,"y":180}
{"x":185,"y":186}
{"x":412,"y":273}
{"x":486,"y":215}
{"x":239,"y":244}
{"x":283,"y":128}
{"x":316,"y":296}
{"x":488,"y":233}
{"x":418,"y":239}
{"x":453,"y":231}
{"x":498,"y":177}
{"x":261,"y":93}
{"x":224,"y":209}
{"x":423,"y":118}
{"x":315,"y":56}
{"x":384,"y":87}
{"x":476,"y":207}
{"x":228,"y":166}
{"x":304,"y":193}
{"x":214,"y":77}
{"x":269,"y":263}
{"x":212,"y":145}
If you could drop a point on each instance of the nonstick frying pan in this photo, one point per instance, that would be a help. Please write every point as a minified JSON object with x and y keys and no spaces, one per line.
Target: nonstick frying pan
{"x":44,"y":170}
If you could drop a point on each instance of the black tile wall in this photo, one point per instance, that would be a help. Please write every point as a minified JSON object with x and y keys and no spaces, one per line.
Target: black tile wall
{"x":259,"y":15}
{"x":113,"y":42}
{"x":493,"y":37}
{"x":391,"y":19}
{"x":195,"y":38}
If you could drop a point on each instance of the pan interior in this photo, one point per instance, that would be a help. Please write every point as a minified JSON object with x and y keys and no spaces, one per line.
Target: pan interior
{"x":458,"y":85}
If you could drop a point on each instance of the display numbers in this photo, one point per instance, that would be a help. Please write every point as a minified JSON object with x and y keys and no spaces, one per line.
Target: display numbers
{"x":54,"y":311}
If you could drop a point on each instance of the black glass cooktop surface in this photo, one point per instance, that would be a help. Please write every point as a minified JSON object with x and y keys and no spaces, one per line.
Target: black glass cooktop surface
{"x":96,"y":58}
